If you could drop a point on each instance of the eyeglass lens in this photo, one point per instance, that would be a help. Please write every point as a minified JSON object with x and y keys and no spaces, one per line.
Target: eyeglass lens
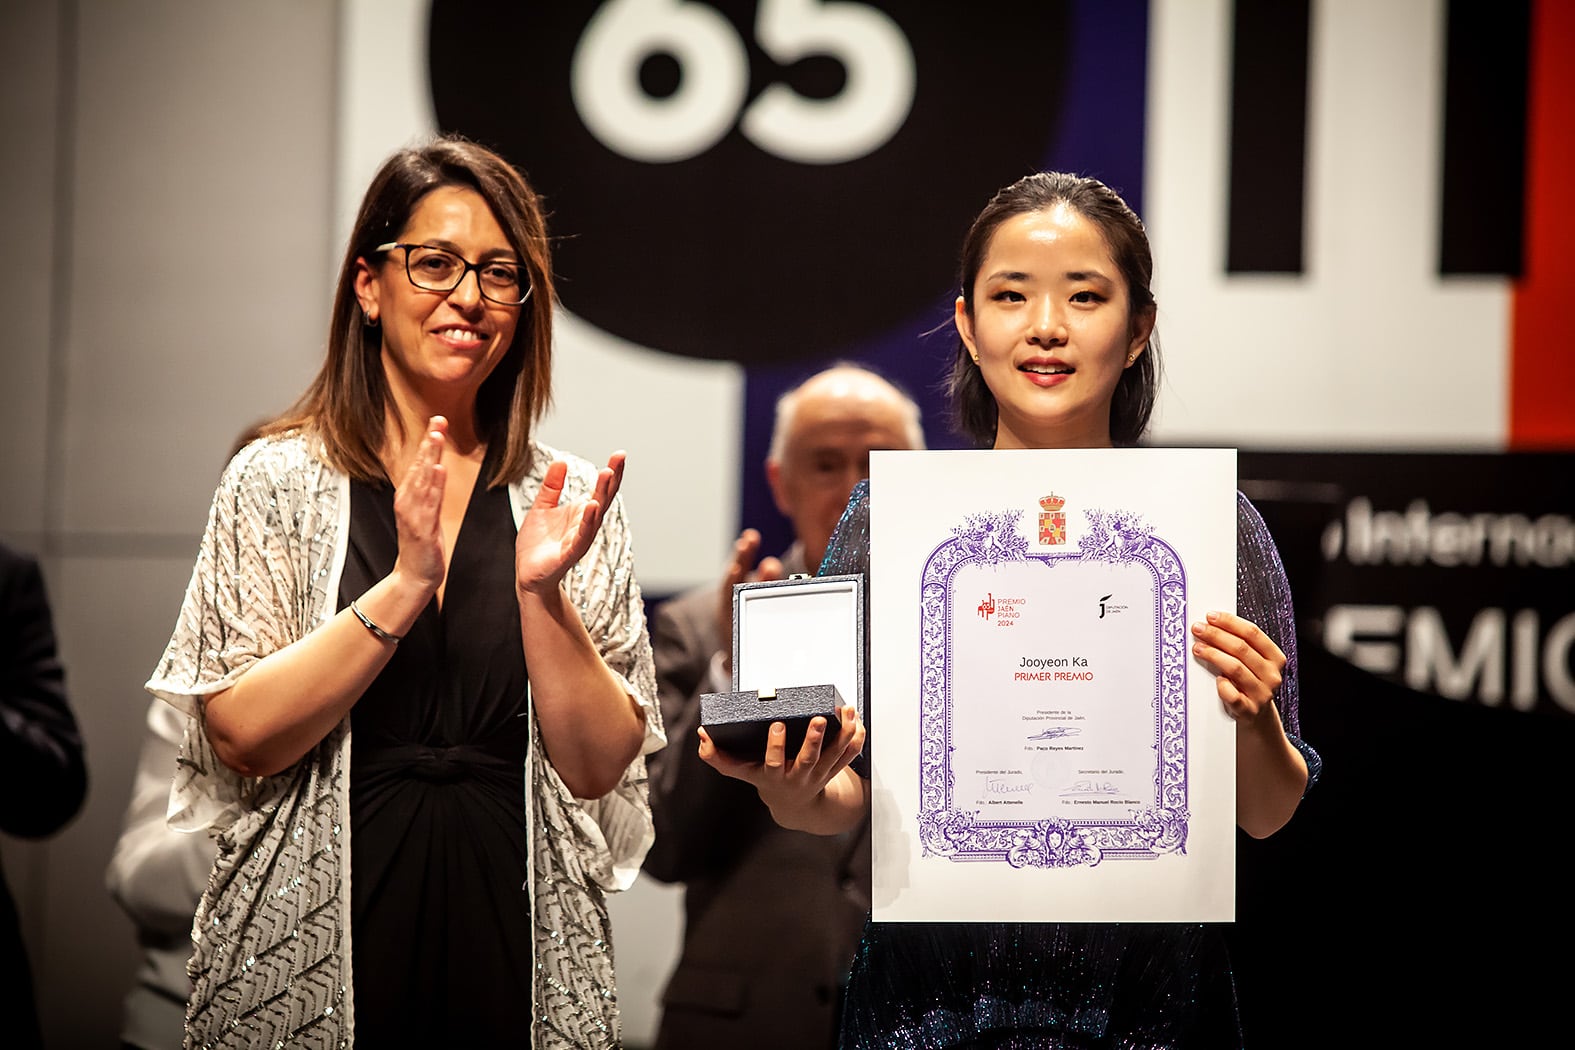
{"x":438,"y":270}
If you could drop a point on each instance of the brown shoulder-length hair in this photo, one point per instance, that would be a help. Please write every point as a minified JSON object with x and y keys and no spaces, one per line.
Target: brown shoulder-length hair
{"x":345,"y":405}
{"x":973,"y":406}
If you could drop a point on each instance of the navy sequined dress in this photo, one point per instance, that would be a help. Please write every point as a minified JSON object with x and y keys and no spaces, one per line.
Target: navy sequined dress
{"x":1047,"y":986}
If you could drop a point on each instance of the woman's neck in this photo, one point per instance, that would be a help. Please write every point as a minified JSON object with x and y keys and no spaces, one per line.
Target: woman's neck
{"x":414,"y":404}
{"x":1063,"y":438}
{"x":407,"y":421}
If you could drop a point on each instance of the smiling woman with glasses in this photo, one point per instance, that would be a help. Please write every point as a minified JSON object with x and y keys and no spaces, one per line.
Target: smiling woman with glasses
{"x":414,"y":651}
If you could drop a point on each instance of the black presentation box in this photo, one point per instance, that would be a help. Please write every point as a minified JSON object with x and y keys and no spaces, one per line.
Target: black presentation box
{"x":739,"y":722}
{"x":798,"y":652}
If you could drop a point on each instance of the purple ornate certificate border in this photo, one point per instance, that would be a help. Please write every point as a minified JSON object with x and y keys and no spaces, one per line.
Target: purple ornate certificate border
{"x":991,"y":538}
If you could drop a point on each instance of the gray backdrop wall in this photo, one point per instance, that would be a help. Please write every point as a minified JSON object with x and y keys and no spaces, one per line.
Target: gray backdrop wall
{"x":163,"y":158}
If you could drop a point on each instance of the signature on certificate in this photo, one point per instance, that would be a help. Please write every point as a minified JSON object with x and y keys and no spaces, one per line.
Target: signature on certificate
{"x":1056,"y":733}
{"x":1089,"y":787}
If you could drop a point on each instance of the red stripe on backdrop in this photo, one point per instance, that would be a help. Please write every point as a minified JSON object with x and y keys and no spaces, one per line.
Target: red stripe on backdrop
{"x":1542,"y":360}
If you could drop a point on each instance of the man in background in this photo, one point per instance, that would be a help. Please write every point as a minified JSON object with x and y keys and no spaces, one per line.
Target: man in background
{"x":157,"y":876}
{"x":43,"y":773}
{"x":771,"y":917}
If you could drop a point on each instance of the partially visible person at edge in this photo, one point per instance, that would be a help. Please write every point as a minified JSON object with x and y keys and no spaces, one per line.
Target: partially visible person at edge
{"x":771,"y":916}
{"x":43,"y":768}
{"x":1055,"y":321}
{"x":157,"y":876}
{"x":414,"y":663}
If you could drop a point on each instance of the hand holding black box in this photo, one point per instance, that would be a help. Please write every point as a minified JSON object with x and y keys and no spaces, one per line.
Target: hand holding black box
{"x":798,"y":653}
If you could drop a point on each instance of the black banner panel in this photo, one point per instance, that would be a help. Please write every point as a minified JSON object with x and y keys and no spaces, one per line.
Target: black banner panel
{"x":1485,"y":93}
{"x":1415,"y":898}
{"x":1449,"y":574}
{"x":1268,"y":136}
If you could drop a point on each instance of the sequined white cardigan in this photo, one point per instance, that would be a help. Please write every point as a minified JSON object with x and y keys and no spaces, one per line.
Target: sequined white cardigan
{"x":272,"y":961}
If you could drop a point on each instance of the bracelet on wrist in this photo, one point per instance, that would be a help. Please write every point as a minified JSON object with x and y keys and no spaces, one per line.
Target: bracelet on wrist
{"x":371,"y":625}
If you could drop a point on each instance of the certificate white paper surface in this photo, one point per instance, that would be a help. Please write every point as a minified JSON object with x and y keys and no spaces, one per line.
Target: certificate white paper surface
{"x":1044,"y":745}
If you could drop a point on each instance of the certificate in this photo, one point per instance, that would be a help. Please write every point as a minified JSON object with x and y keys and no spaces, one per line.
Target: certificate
{"x":1044,"y":746}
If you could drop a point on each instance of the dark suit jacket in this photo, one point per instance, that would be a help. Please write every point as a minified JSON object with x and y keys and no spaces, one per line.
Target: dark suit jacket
{"x":42,"y":775}
{"x":772,"y":917}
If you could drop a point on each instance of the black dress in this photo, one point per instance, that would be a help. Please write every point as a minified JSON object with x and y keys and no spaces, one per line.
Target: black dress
{"x":441,"y":937}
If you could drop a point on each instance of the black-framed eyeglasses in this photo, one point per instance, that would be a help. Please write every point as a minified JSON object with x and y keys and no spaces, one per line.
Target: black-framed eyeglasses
{"x":440,"y":270}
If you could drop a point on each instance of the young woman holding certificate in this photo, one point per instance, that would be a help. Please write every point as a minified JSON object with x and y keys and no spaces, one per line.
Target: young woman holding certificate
{"x":1056,"y":349}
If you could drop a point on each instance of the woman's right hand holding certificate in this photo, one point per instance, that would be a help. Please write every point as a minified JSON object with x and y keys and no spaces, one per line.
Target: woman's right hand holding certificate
{"x":816,"y":791}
